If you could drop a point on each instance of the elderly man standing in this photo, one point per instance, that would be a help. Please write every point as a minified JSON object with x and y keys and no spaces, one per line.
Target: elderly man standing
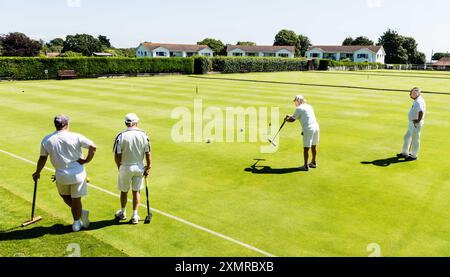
{"x":416,"y":116}
{"x":66,"y":156}
{"x":310,"y":130}
{"x":130,"y":148}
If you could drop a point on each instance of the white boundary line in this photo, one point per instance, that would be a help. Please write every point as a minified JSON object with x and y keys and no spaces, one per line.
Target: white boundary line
{"x":160,"y":212}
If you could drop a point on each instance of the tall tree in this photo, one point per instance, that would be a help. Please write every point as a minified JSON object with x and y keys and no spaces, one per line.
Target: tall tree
{"x":288,"y":38}
{"x":82,"y":43}
{"x":363,"y":41}
{"x":104,"y":41}
{"x":393,"y":45}
{"x":439,"y":55}
{"x":303,"y":43}
{"x":56,"y":42}
{"x":18,"y":44}
{"x":348,"y":41}
{"x":216,"y":45}
{"x":246,"y":43}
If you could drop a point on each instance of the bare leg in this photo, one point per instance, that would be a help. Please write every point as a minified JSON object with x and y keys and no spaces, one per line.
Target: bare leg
{"x":67,"y":199}
{"x":76,"y":208}
{"x":306,"y":155}
{"x":314,"y":153}
{"x":123,"y":199}
{"x":136,"y":200}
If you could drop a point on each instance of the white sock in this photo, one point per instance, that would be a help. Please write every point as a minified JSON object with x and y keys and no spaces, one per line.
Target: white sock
{"x":135,"y":213}
{"x":124,"y":210}
{"x":78,"y":221}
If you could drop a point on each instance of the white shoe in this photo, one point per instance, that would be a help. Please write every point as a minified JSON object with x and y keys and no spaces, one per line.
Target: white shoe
{"x":121,"y":215}
{"x":85,"y":218}
{"x":77,"y":225}
{"x":135,"y":219}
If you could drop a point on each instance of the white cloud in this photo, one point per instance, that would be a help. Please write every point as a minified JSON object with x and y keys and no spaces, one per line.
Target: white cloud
{"x":374,"y":3}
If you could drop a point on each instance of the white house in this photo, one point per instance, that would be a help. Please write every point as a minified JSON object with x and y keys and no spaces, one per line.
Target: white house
{"x":260,"y":51}
{"x":148,"y":49}
{"x":354,"y":53}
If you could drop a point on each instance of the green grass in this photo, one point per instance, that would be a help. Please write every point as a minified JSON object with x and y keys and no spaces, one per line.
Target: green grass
{"x":335,"y":210}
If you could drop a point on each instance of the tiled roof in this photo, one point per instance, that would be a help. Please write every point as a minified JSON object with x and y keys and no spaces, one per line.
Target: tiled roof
{"x":443,"y":62}
{"x":345,"y":49}
{"x":260,"y":48}
{"x":175,"y":47}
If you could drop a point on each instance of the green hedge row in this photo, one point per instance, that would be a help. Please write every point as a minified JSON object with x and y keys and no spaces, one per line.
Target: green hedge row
{"x":255,"y":64}
{"x":34,"y":68}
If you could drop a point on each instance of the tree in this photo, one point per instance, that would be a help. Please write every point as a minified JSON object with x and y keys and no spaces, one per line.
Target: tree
{"x":18,"y":44}
{"x":393,"y":45}
{"x":246,"y":43}
{"x":288,"y":38}
{"x":348,"y":41}
{"x":82,"y":43}
{"x":363,"y":41}
{"x":303,"y":43}
{"x":414,"y":56}
{"x":104,"y":41}
{"x":56,"y":42}
{"x":216,"y":45}
{"x":439,"y":55}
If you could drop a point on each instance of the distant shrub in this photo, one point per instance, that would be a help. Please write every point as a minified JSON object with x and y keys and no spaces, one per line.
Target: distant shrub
{"x":202,"y":65}
{"x":70,"y":54}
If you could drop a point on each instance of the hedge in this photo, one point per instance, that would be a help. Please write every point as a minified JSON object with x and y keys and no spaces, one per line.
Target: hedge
{"x":345,"y":65}
{"x":257,"y":64}
{"x":202,"y":65}
{"x":34,"y":68}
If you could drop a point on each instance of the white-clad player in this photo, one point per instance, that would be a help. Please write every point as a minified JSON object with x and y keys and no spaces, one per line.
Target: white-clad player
{"x":66,"y":156}
{"x":130,"y":148}
{"x":310,"y":130}
{"x":416,"y":117}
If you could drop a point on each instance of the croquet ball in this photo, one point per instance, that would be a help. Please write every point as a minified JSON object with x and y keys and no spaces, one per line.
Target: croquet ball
{"x":242,"y":130}
{"x":88,"y":180}
{"x":208,"y":141}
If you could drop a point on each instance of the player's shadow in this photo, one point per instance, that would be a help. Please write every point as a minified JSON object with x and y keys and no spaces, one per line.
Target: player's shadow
{"x":386,"y":162}
{"x":19,"y":233}
{"x":258,"y":169}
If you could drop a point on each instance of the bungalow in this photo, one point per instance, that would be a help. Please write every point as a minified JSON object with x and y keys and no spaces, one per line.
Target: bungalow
{"x":148,"y":49}
{"x":354,"y":53}
{"x":442,"y":64}
{"x":261,"y":51}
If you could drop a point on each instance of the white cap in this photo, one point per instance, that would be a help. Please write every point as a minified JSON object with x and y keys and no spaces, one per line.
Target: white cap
{"x":299,"y":98}
{"x":131,"y":118}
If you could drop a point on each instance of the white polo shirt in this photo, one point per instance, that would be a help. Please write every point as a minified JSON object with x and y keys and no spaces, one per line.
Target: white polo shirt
{"x":305,"y":114}
{"x":65,"y":149}
{"x":419,"y":105}
{"x":132,"y":143}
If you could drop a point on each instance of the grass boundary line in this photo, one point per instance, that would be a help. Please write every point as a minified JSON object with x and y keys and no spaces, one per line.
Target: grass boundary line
{"x":314,"y":85}
{"x":248,"y":246}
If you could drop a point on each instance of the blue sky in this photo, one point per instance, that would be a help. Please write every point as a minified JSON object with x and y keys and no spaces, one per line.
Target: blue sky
{"x":127,"y":23}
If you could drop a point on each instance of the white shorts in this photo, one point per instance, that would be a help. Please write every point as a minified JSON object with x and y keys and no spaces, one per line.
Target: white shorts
{"x":130,"y":175}
{"x":72,"y":181}
{"x":75,"y":190}
{"x":311,"y":137}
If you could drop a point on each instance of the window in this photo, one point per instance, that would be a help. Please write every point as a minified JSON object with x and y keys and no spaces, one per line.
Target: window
{"x":330,"y":56}
{"x":252,"y":54}
{"x":315,"y":55}
{"x":269,"y":54}
{"x":190,"y":54}
{"x":363,"y":56}
{"x":206,"y":54}
{"x":145,"y":53}
{"x":238,"y":54}
{"x":283,"y":55}
{"x":160,"y":54}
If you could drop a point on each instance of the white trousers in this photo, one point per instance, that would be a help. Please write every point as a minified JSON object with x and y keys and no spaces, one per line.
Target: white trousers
{"x":411,"y":145}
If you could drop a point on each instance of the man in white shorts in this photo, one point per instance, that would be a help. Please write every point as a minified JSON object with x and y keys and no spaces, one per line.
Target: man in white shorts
{"x":416,"y":117}
{"x":310,"y":130}
{"x":66,"y":156}
{"x":130,"y":148}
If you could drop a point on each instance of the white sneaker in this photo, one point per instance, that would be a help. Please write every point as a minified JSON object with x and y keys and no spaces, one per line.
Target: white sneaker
{"x":135,"y":219}
{"x":121,"y":215}
{"x":85,"y":218}
{"x":77,"y":225}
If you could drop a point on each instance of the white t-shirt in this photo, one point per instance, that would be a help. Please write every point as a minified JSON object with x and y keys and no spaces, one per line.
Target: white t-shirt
{"x":65,"y":149}
{"x":132,"y":143}
{"x":305,"y":114}
{"x":419,"y":105}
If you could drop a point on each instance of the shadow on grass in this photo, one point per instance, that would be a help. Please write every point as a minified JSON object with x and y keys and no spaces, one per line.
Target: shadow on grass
{"x":19,"y":233}
{"x":386,"y":162}
{"x":258,"y":169}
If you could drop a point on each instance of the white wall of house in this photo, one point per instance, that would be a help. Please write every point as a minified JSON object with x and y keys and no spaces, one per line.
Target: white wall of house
{"x":283,"y":52}
{"x":142,"y":52}
{"x":381,"y":56}
{"x":313,"y":52}
{"x":236,"y":52}
{"x":161,"y":52}
{"x":206,"y":52}
{"x":241,"y":53}
{"x":364,"y":55}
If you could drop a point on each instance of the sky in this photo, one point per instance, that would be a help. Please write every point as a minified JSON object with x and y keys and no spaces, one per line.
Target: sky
{"x":325,"y":22}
